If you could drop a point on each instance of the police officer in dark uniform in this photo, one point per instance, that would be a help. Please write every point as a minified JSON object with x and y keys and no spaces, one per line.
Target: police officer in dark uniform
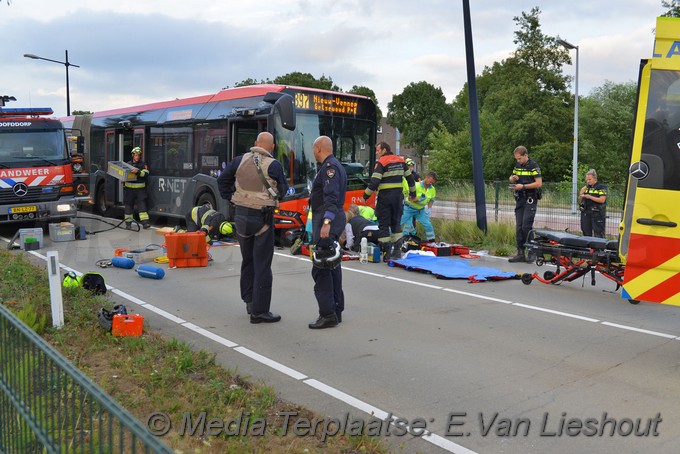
{"x":387,"y":179}
{"x":135,"y":192}
{"x":593,"y":204}
{"x":254,"y":182}
{"x":328,"y":221}
{"x":527,"y":181}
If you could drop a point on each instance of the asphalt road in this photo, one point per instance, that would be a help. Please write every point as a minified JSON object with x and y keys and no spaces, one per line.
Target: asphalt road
{"x":495,"y":367}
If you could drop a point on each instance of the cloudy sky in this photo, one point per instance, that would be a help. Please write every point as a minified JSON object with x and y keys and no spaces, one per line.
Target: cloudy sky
{"x":138,"y":51}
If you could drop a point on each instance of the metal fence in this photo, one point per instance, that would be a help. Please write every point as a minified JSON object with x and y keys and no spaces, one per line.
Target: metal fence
{"x":47,"y":405}
{"x":456,"y":200}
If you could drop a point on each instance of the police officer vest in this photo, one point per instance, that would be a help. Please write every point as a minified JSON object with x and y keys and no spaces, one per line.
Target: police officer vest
{"x":597,"y":190}
{"x":250,"y":192}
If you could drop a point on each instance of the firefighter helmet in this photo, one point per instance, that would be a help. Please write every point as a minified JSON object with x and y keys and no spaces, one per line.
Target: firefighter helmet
{"x":136,"y":150}
{"x":105,"y":317}
{"x":326,"y":254}
{"x":226,"y":228}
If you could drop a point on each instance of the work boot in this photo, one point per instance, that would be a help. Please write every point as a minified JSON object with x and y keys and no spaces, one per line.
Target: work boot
{"x":387,"y":251}
{"x":128,"y":226}
{"x":327,"y":321}
{"x":518,"y":258}
{"x":145,"y":225}
{"x":267,"y":317}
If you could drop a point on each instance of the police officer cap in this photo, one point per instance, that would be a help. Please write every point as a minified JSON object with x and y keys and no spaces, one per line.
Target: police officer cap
{"x":136,"y":150}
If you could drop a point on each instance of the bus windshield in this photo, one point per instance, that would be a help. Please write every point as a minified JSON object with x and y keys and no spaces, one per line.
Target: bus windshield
{"x":352,"y":145}
{"x":19,"y":147}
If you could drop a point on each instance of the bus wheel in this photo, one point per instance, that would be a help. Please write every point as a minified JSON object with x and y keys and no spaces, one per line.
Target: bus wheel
{"x":100,"y":200}
{"x":206,"y":197}
{"x":634,"y":301}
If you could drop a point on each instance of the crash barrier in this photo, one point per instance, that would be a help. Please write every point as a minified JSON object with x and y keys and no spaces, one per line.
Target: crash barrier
{"x":575,"y":256}
{"x":48,"y":405}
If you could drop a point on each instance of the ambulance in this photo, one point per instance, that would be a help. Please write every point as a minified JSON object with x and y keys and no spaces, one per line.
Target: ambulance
{"x":650,"y":229}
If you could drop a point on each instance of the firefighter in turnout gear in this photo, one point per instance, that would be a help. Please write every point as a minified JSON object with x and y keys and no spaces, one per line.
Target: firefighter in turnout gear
{"x":213,"y":223}
{"x":593,"y":204}
{"x":254,"y":182}
{"x":135,"y":192}
{"x":387,"y":178}
{"x":526,"y":185}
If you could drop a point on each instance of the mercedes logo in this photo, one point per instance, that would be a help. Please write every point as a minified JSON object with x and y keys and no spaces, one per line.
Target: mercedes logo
{"x":638,"y":170}
{"x":20,"y":189}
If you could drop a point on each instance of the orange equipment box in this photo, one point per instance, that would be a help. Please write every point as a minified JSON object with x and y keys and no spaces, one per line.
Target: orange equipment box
{"x":127,"y":325}
{"x":186,"y":249}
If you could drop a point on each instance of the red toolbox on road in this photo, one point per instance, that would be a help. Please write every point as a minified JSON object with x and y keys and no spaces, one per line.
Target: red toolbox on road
{"x":186,"y":249}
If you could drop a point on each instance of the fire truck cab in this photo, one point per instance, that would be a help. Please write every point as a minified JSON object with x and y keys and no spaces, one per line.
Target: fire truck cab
{"x":36,"y":175}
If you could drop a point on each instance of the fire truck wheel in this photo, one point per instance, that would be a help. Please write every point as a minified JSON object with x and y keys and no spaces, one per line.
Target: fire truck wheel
{"x":527,"y":278}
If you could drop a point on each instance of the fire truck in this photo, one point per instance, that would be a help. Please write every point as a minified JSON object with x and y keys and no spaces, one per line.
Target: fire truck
{"x":37,"y":155}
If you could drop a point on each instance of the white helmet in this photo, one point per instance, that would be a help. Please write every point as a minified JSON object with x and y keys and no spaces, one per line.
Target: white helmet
{"x":326,"y":254}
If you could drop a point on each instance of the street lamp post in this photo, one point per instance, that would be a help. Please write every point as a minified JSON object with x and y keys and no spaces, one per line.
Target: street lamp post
{"x":574,"y":175}
{"x":65,"y":63}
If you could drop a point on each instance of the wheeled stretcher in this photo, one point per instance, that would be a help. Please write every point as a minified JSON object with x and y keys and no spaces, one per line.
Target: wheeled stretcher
{"x":574,"y":256}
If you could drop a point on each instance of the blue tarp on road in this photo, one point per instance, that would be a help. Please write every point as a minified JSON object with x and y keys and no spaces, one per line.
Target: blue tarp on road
{"x":448,"y":268}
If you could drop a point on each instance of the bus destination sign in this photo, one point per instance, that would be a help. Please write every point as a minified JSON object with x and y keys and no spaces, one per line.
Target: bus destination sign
{"x":320,"y":102}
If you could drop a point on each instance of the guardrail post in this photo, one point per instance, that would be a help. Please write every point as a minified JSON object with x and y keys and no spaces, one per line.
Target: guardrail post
{"x":54,"y":277}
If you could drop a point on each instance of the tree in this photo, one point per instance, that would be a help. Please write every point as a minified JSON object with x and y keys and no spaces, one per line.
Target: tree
{"x":365,"y":91}
{"x":81,"y":112}
{"x":605,"y":125}
{"x":307,"y":80}
{"x":673,"y":8}
{"x":523,"y":100}
{"x":416,"y":111}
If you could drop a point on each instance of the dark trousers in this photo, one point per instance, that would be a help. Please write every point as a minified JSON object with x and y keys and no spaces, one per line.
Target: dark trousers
{"x":328,"y":290}
{"x":257,"y":251}
{"x":592,"y":223}
{"x":328,"y":283}
{"x":132,"y":196}
{"x":389,"y":208}
{"x":525,"y":213}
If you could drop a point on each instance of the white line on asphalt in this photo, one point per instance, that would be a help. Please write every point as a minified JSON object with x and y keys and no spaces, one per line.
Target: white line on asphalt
{"x":550,"y":311}
{"x":210,"y":335}
{"x":474,"y":295}
{"x":640,"y":330}
{"x":271,"y":363}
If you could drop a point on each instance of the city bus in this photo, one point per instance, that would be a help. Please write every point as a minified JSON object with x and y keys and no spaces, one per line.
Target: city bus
{"x":188,"y":142}
{"x":650,"y":232}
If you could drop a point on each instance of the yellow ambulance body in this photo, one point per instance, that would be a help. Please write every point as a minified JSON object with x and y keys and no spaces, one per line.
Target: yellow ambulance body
{"x":650,"y":230}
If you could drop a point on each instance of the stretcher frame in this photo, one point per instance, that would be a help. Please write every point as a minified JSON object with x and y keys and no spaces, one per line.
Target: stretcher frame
{"x":575,"y":256}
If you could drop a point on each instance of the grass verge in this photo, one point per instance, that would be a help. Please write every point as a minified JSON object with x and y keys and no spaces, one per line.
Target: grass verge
{"x":153,"y":374}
